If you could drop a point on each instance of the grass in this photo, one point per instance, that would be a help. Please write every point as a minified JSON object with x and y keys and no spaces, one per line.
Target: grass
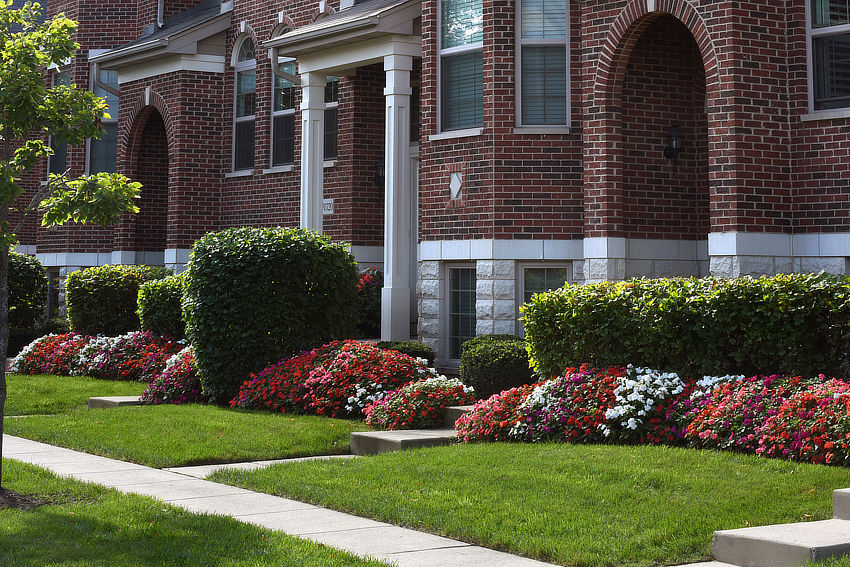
{"x":168,"y":435}
{"x":49,"y":394}
{"x":85,"y":525}
{"x":571,"y":504}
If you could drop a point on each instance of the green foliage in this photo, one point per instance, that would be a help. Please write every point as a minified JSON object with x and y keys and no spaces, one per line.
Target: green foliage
{"x":410,"y":348}
{"x":101,"y":199}
{"x":795,"y":324}
{"x":369,"y":287}
{"x":255,"y":296}
{"x":27,"y":290}
{"x":494,"y":363}
{"x":103,"y":300}
{"x":160,"y":306}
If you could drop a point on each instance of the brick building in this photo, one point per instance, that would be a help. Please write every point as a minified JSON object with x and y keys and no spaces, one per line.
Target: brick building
{"x":478,"y":150}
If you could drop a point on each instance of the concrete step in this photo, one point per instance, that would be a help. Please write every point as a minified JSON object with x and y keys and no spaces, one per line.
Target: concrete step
{"x":374,"y":442}
{"x":113,"y":401}
{"x":453,"y":413}
{"x":841,"y":504}
{"x":783,"y":545}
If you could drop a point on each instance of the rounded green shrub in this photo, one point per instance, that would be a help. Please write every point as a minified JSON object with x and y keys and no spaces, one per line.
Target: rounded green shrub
{"x":255,"y":296}
{"x":27,"y":291}
{"x":160,"y":307}
{"x":103,"y":300}
{"x":785,"y":324}
{"x":494,"y":363}
{"x":410,"y":348}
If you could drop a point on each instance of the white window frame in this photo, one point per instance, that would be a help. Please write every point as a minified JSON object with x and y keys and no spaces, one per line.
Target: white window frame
{"x":277,"y":114}
{"x":330,"y":162}
{"x":520,"y":43}
{"x":520,"y":284}
{"x":457,"y":50}
{"x":447,"y":307}
{"x":55,"y":71}
{"x":241,"y":67}
{"x":811,"y":34}
{"x":112,"y":120}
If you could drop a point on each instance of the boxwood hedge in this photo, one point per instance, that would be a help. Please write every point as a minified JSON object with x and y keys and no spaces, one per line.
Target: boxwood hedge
{"x":494,"y":363}
{"x":27,"y":290}
{"x":798,"y":323}
{"x":160,"y":307}
{"x":254,"y":296}
{"x":103,"y":300}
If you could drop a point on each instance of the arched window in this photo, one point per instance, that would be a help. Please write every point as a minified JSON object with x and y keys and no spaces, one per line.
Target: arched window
{"x":245,"y":65}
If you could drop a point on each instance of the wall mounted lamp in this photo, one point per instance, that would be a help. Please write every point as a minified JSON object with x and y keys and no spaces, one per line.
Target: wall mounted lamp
{"x":378,"y":180}
{"x":675,"y":141}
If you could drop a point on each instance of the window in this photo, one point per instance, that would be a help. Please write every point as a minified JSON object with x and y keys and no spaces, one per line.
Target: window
{"x":58,"y":162}
{"x":103,"y":151}
{"x":462,"y":317}
{"x":283,"y":118}
{"x":829,"y":30}
{"x":538,"y":280}
{"x":331,"y":114}
{"x":246,"y":100}
{"x":461,"y":64}
{"x":542,"y":54}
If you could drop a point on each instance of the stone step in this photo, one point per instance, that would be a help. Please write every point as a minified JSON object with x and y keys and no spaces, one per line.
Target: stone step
{"x":783,"y":545}
{"x":453,"y":413}
{"x":374,"y":442}
{"x":841,"y":504}
{"x":113,"y":401}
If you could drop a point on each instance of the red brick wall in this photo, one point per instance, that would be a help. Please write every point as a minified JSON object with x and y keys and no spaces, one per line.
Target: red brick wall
{"x":664,"y":84}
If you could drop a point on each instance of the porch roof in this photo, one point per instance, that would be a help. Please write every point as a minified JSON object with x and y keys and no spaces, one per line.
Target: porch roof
{"x":363,"y":21}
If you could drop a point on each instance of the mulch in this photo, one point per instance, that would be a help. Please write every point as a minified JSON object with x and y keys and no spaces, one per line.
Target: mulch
{"x":13,"y":500}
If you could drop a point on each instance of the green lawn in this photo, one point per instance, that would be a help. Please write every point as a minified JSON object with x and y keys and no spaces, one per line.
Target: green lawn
{"x":85,"y":525}
{"x":571,"y":504}
{"x":48,"y":394}
{"x":168,"y":435}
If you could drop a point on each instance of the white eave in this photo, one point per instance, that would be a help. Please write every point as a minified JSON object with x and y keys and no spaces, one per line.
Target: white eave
{"x":182,"y":42}
{"x":360,"y":22}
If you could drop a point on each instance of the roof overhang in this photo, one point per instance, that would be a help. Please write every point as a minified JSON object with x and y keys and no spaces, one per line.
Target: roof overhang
{"x":183,"y":42}
{"x":371,"y":20}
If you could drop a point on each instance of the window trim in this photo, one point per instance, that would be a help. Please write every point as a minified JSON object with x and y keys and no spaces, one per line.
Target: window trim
{"x":811,"y":34}
{"x":447,"y":307}
{"x":519,"y":42}
{"x":330,"y":161}
{"x":113,"y":120}
{"x":520,"y":284}
{"x":55,"y":71}
{"x":457,"y":50}
{"x":241,"y":67}
{"x":276,"y":114}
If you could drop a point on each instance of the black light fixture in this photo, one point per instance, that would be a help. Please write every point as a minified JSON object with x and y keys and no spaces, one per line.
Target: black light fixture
{"x":378,"y":180}
{"x":675,"y":141}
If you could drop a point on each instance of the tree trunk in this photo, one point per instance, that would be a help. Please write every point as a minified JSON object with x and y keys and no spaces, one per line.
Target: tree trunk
{"x":4,"y":335}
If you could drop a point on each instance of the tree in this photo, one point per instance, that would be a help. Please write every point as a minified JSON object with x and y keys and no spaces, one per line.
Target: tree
{"x":29,"y":112}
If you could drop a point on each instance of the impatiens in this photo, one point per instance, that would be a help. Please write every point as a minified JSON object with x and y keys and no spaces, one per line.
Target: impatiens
{"x":492,"y":419}
{"x":418,"y":405}
{"x":138,"y":356}
{"x":177,"y":384}
{"x":50,"y":354}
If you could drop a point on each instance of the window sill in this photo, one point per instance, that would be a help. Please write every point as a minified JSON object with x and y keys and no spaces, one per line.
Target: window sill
{"x":278,"y":169}
{"x":329,"y":163}
{"x":561,"y":130}
{"x":466,"y":133}
{"x":240,"y":173}
{"x":826,"y":114}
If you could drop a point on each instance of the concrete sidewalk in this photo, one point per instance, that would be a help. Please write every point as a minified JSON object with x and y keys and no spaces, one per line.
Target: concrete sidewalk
{"x":361,"y":536}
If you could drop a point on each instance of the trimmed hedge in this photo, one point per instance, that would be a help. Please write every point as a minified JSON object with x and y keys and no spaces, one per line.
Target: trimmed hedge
{"x":27,"y":291}
{"x":794,"y":324}
{"x":494,"y":363}
{"x":410,"y":348}
{"x":103,"y":300}
{"x":255,"y":296}
{"x":160,"y":307}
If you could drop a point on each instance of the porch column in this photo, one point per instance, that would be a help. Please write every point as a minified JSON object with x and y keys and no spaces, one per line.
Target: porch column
{"x":312,"y":149}
{"x":395,"y":297}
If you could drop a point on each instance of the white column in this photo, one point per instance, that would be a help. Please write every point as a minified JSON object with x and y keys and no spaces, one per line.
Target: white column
{"x":312,"y":149}
{"x":395,"y":297}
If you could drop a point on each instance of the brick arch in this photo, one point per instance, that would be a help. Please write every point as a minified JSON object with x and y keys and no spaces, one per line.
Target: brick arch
{"x":134,"y":124}
{"x":627,"y":30}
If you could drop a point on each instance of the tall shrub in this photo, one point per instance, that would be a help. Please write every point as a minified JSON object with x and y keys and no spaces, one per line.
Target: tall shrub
{"x":160,"y":307}
{"x":103,"y":300}
{"x":791,"y":324}
{"x":27,"y":290}
{"x":255,"y":296}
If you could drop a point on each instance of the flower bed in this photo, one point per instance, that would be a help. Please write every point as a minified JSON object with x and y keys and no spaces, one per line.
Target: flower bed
{"x":139,"y":356}
{"x":178,"y":383}
{"x":418,"y":405}
{"x":50,"y":354}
